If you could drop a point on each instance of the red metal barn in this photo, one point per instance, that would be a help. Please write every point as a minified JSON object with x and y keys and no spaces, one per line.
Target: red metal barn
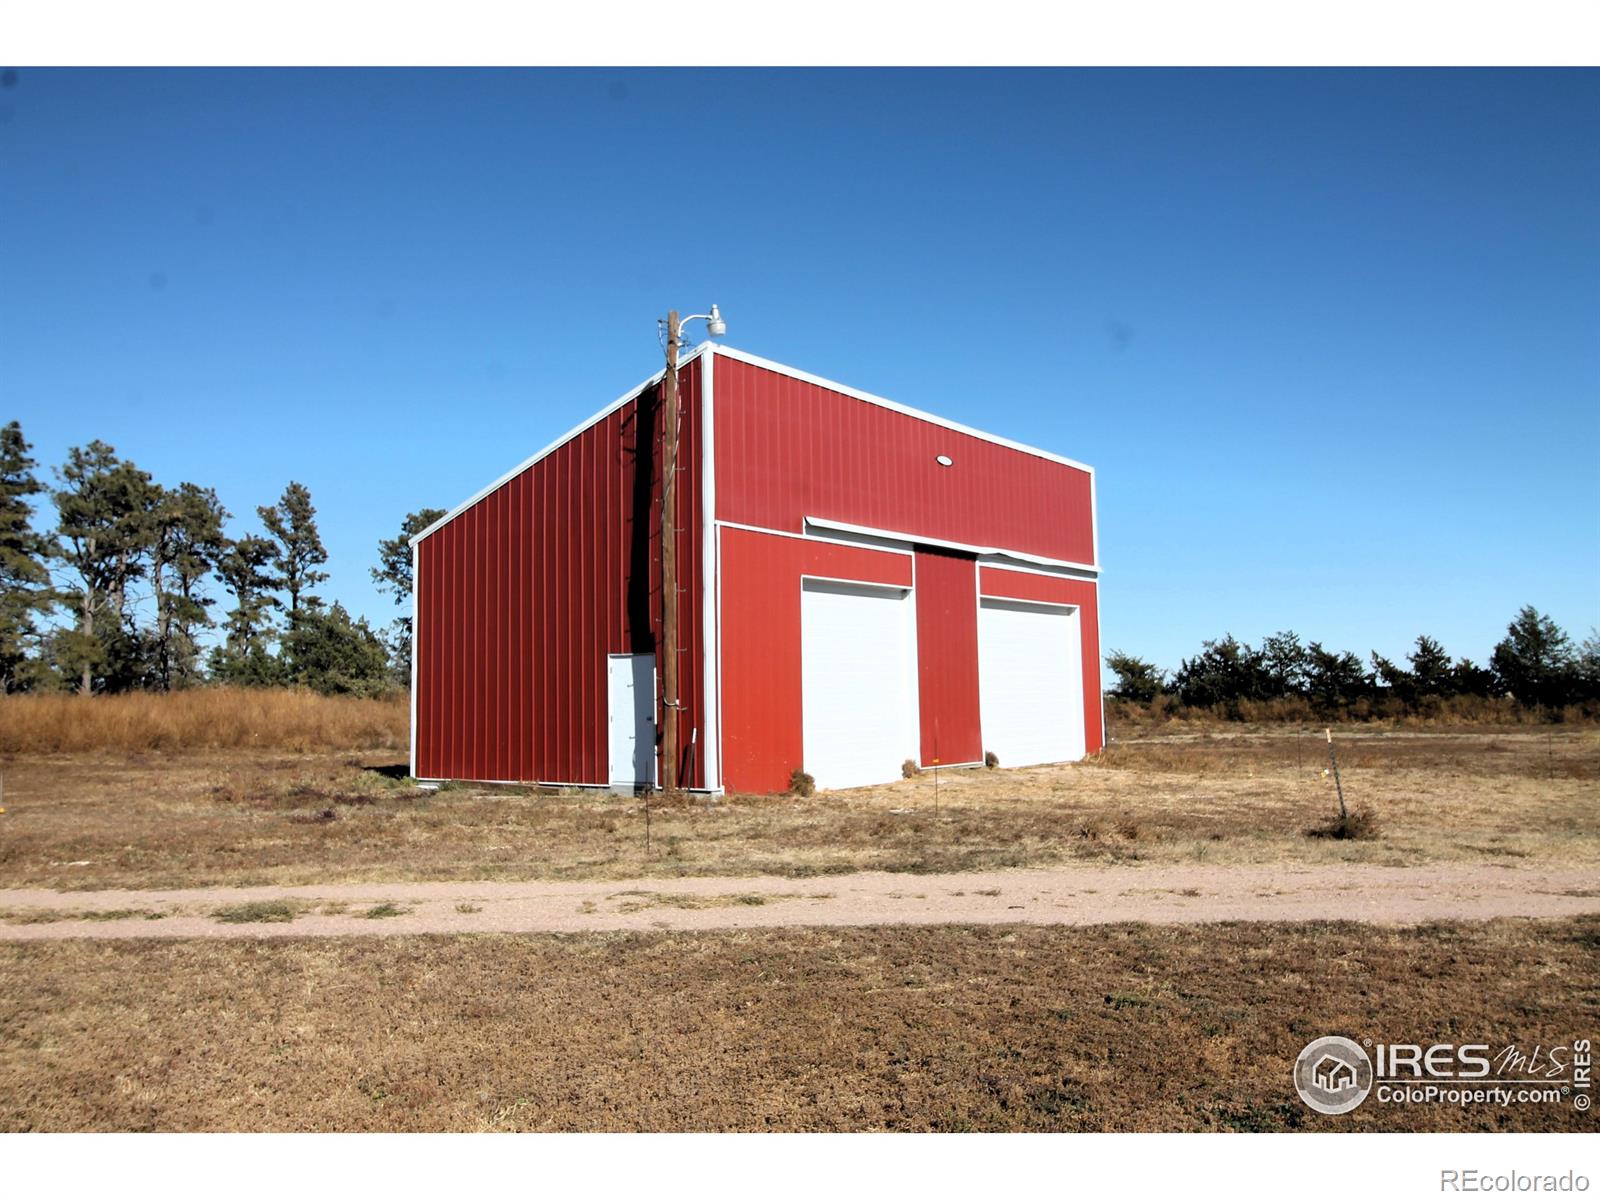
{"x":860,"y":584}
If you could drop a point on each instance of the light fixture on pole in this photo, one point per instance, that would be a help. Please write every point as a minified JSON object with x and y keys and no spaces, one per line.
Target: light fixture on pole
{"x":670,"y":705}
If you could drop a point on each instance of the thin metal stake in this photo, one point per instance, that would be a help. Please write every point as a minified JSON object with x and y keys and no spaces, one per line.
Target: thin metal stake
{"x":1334,"y":759}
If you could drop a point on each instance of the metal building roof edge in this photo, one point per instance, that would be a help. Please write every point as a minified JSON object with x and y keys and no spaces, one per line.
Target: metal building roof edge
{"x":765,"y":364}
{"x":630,"y":394}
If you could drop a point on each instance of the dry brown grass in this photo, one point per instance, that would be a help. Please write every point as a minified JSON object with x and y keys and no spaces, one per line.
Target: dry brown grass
{"x":937,"y":1028}
{"x":196,"y":819}
{"x":212,"y":718}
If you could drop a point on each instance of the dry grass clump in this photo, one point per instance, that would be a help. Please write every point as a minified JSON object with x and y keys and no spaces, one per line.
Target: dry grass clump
{"x":272,"y":912}
{"x":209,"y":718}
{"x":1359,"y":825}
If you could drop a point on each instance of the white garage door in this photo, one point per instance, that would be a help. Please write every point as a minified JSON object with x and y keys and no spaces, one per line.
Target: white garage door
{"x":856,"y":676}
{"x":1030,"y":682}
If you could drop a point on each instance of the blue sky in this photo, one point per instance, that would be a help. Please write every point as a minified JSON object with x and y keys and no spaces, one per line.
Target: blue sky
{"x":1330,"y":338}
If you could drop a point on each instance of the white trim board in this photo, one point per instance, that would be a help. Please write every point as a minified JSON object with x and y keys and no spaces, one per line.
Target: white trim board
{"x":993,"y":562}
{"x":710,"y":751}
{"x":892,"y":535}
{"x":712,"y":349}
{"x":414,"y":626}
{"x":631,"y":394}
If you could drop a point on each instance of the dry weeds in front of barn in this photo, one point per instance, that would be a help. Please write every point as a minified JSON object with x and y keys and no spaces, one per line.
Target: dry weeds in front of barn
{"x":234,"y":818}
{"x":925,"y":1028}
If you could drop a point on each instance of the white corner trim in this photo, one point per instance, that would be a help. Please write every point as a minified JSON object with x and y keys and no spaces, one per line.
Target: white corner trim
{"x":894,"y":406}
{"x":632,"y":394}
{"x":415,"y":558}
{"x":864,"y":531}
{"x":710,"y":737}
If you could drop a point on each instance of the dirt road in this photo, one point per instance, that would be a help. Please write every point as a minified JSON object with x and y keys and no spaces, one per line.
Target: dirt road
{"x":1077,"y":896}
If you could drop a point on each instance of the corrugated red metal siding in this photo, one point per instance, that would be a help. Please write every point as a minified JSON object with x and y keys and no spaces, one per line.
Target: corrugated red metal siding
{"x":788,"y":449}
{"x":947,"y":656}
{"x":762,"y":733}
{"x":1022,"y":585}
{"x":521,"y":598}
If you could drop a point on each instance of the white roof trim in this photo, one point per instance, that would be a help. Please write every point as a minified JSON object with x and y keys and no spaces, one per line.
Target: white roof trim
{"x":918,"y":539}
{"x":868,"y":397}
{"x":767,"y":364}
{"x":566,"y":437}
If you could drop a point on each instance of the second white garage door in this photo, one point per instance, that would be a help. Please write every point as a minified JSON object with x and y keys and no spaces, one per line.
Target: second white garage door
{"x":1030,"y":682}
{"x":858,"y":691}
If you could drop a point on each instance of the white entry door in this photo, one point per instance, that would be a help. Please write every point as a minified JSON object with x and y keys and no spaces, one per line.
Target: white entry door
{"x":632,"y":706}
{"x":858,"y":687}
{"x":1030,"y":682}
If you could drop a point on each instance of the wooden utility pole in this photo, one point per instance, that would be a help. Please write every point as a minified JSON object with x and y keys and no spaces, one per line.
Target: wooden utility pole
{"x":669,"y":562}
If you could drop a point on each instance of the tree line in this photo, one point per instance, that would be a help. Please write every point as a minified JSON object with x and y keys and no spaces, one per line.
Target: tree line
{"x":122,"y":593}
{"x":1536,"y":666}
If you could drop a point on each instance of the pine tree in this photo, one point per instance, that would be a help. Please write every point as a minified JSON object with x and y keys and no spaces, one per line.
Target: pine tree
{"x":393,"y":575}
{"x":298,"y":551}
{"x":105,"y":532}
{"x":328,"y":651}
{"x":1535,"y":661}
{"x":1430,"y":668}
{"x":1137,"y":679}
{"x":245,"y":568}
{"x":188,"y":545}
{"x":24,"y":579}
